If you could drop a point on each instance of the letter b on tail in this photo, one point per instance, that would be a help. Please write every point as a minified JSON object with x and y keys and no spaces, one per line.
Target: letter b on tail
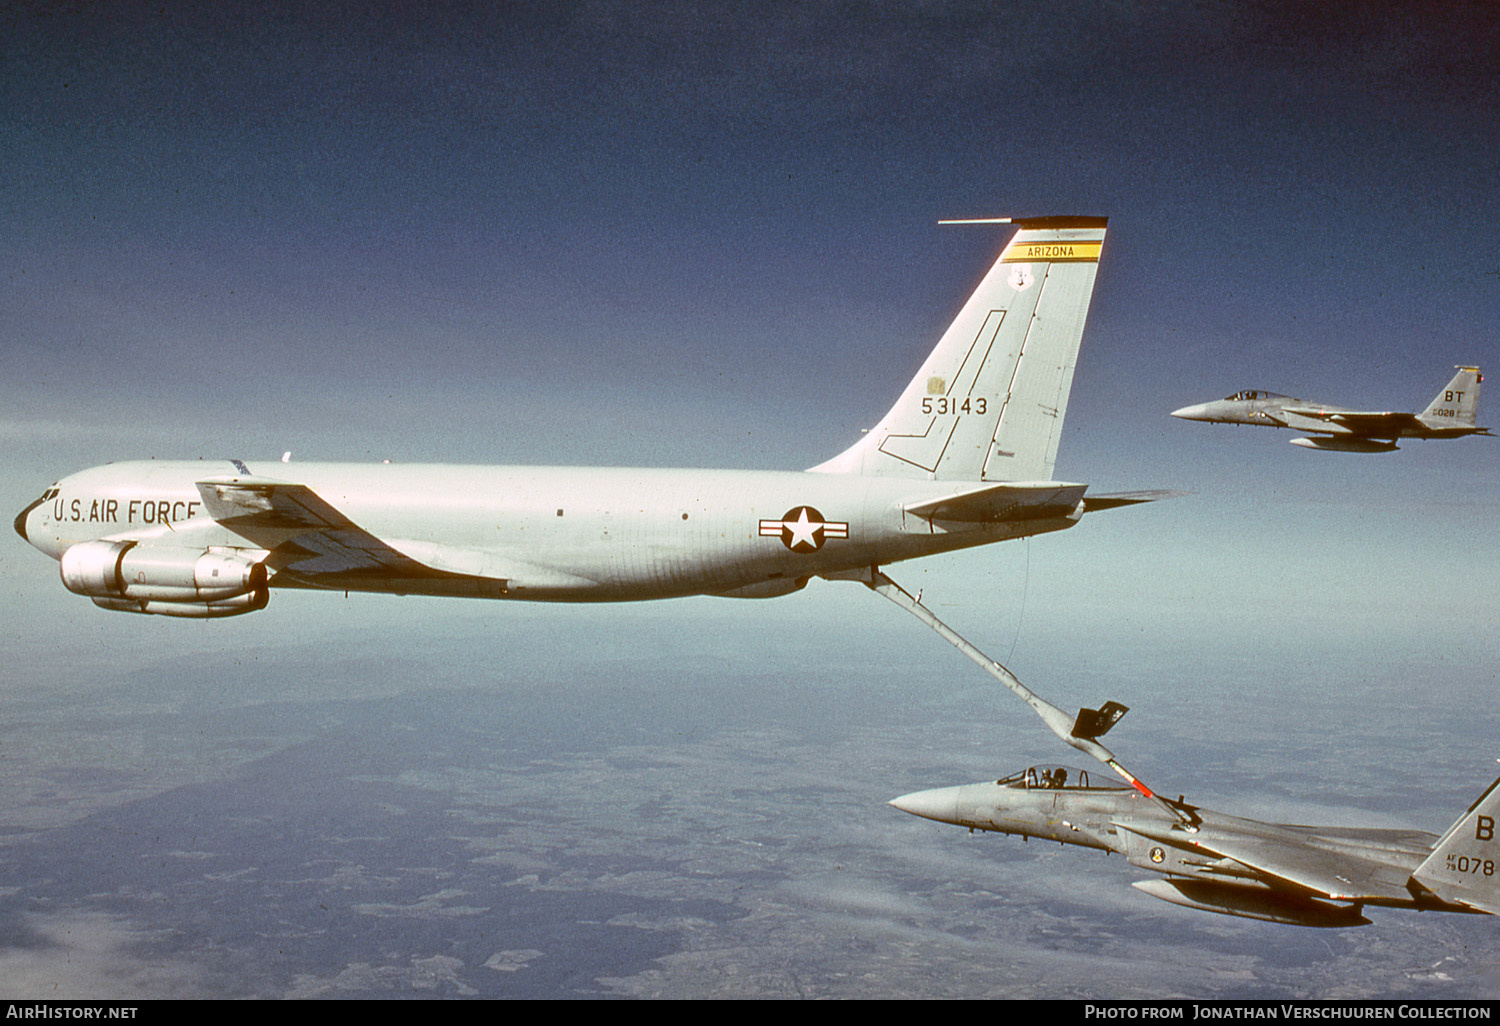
{"x":1464,"y":866}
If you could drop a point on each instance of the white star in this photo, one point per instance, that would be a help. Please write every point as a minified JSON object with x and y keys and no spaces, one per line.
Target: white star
{"x":802,"y":530}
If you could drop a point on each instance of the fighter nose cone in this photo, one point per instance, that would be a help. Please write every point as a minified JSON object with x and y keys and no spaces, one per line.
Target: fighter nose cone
{"x":1194,"y":412}
{"x":939,"y":803}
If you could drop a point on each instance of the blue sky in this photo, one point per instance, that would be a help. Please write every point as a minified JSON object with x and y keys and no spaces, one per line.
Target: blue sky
{"x":688,"y":234}
{"x":681,"y":235}
{"x":685,"y":204}
{"x":677,"y":234}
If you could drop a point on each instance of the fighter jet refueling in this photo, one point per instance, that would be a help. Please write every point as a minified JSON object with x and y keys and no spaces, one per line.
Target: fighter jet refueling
{"x":1300,"y":875}
{"x":1451,"y":414}
{"x":964,"y":458}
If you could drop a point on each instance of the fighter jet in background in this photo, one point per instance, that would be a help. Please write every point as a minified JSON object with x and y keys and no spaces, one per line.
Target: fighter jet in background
{"x":1300,"y":875}
{"x":1334,"y":428}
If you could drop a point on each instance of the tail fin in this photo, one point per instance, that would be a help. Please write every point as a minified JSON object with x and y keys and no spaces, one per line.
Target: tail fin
{"x":1464,"y":867}
{"x":988,"y":404}
{"x":1460,"y":399}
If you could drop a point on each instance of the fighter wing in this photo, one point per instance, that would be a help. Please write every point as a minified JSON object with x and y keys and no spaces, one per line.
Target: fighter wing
{"x":1342,"y":875}
{"x":1363,"y":422}
{"x":303,"y":532}
{"x":1288,"y":857}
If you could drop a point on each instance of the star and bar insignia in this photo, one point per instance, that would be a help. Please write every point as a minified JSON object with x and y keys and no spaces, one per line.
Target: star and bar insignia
{"x":803,"y":529}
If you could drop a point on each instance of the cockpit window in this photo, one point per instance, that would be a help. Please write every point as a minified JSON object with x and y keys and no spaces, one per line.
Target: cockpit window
{"x":1253,"y":393}
{"x":1055,"y":777}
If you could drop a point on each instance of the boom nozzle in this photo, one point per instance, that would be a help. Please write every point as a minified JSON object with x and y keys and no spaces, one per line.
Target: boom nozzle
{"x":1079,"y":731}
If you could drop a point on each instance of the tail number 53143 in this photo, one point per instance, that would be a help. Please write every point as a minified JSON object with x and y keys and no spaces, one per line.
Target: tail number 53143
{"x":945,"y":404}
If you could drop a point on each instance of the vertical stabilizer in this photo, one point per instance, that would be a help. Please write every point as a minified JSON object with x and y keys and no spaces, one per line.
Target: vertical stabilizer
{"x":988,"y":403}
{"x":1464,"y":866}
{"x":1460,"y":399}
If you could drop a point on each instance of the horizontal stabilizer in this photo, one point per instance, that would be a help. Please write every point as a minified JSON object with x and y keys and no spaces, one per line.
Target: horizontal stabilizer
{"x":1011,"y":500}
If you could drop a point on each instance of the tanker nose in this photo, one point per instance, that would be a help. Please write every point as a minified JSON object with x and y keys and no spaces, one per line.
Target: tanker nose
{"x":21,"y":520}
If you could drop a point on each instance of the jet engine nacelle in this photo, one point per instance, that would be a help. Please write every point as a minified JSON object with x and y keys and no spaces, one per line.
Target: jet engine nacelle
{"x":161,"y":579}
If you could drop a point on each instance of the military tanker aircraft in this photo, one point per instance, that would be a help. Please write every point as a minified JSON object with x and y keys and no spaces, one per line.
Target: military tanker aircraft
{"x":1451,"y":414}
{"x":964,"y":458}
{"x":1300,"y":875}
